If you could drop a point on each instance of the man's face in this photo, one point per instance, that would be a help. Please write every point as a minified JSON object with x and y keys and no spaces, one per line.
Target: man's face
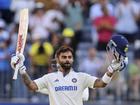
{"x":65,"y":60}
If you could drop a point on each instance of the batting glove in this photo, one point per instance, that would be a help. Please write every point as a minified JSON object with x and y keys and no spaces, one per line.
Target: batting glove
{"x":118,"y":66}
{"x":18,"y":60}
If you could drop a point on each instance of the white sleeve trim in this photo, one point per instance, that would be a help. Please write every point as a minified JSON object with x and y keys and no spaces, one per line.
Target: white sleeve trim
{"x":40,"y":82}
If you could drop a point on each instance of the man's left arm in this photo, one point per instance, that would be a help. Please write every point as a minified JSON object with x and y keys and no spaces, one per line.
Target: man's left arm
{"x":112,"y":69}
{"x":102,"y":82}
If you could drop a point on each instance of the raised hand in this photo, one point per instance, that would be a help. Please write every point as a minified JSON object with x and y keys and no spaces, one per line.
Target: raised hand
{"x":118,"y":65}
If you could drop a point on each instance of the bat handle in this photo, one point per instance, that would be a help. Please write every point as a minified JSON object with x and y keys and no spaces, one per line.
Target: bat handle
{"x":16,"y":73}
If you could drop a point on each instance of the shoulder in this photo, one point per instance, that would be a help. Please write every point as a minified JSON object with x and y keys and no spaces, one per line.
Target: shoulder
{"x":50,"y":75}
{"x":83,"y":75}
{"x":86,"y":78}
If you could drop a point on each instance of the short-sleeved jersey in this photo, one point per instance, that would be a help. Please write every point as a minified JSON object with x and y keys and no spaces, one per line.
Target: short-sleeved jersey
{"x":65,"y":90}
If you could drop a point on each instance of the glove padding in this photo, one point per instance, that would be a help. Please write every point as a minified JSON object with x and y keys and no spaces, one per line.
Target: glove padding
{"x":118,"y":66}
{"x":18,"y":59}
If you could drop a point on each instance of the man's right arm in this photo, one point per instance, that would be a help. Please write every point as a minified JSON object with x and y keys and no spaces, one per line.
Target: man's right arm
{"x":19,"y":60}
{"x":31,"y":85}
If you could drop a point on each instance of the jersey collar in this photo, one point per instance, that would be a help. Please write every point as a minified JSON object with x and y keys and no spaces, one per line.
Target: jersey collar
{"x":61,"y":73}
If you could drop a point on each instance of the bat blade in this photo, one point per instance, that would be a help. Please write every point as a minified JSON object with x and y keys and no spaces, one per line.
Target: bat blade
{"x":22,"y":34}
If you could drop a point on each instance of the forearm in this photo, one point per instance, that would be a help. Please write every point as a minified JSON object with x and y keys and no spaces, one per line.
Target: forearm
{"x":102,"y":82}
{"x":28,"y":82}
{"x":109,"y":73}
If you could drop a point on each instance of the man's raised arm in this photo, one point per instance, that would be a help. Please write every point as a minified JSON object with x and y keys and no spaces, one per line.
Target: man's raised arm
{"x":113,"y":68}
{"x":19,"y":60}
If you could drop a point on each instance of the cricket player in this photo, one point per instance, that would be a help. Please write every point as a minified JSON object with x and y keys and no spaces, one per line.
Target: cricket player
{"x":85,"y":95}
{"x":65,"y":86}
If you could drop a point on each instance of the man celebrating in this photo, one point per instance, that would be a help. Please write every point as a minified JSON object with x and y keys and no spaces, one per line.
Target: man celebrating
{"x":65,"y":86}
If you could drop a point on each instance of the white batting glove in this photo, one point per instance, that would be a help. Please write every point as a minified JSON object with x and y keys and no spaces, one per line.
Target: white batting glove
{"x":118,"y":66}
{"x":18,"y":60}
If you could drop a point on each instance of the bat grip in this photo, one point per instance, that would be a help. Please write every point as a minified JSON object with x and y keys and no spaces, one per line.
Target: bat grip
{"x":16,"y":71}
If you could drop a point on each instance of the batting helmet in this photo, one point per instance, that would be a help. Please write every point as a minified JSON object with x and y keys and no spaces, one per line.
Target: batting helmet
{"x":118,"y":44}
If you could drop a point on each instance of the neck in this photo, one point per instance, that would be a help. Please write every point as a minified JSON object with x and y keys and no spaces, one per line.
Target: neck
{"x":64,"y":71}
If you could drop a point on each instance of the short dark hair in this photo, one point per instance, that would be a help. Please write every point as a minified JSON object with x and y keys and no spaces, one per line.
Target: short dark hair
{"x":63,"y":49}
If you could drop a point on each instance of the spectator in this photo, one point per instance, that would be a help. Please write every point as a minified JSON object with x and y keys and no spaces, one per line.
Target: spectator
{"x":4,"y":61}
{"x":54,"y":19}
{"x":48,"y":4}
{"x":134,"y":79}
{"x":67,"y":36}
{"x":105,"y":28}
{"x":96,"y":11}
{"x":3,"y":33}
{"x":127,"y":14}
{"x":38,"y":21}
{"x":92,"y":64}
{"x":74,"y":19}
{"x":5,"y":11}
{"x":62,"y":3}
{"x":40,"y":53}
{"x":17,"y":5}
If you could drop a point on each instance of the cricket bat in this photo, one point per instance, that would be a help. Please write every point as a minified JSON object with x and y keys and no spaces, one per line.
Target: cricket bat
{"x":22,"y":34}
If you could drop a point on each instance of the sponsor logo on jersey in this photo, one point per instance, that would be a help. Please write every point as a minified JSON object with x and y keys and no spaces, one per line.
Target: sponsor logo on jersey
{"x":66,"y":88}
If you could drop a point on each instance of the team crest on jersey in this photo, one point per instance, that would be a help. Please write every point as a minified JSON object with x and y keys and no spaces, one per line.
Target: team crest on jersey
{"x":74,"y":80}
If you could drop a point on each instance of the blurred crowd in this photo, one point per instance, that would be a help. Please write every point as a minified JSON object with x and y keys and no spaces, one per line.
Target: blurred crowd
{"x":86,"y":26}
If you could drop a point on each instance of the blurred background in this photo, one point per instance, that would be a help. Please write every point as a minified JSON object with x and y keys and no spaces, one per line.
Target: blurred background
{"x":86,"y":26}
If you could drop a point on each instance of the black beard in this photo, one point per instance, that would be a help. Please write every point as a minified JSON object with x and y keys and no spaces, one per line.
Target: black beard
{"x":66,"y":66}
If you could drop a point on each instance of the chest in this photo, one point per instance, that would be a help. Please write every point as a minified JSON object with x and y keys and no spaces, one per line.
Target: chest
{"x":67,"y":84}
